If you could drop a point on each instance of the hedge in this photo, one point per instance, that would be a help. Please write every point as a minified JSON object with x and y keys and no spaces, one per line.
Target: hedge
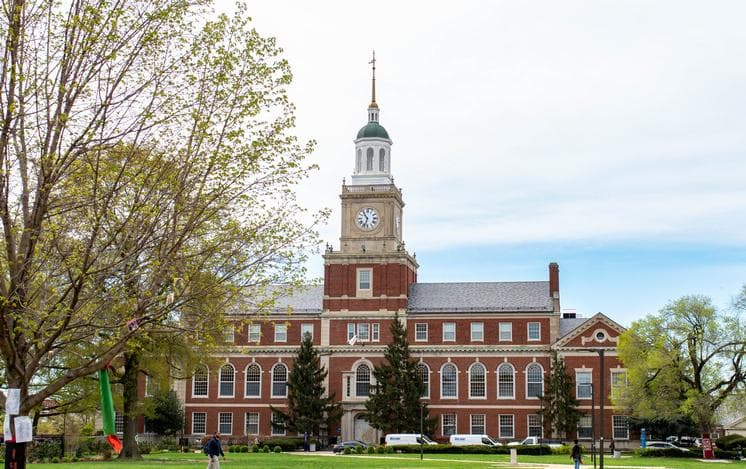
{"x":473,"y":449}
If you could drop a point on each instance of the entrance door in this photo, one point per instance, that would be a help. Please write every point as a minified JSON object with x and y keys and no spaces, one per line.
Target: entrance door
{"x":364,"y":432}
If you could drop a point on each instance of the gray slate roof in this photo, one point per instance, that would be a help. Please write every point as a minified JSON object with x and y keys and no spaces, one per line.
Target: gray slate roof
{"x":307,"y":299}
{"x":479,"y":297}
{"x":568,"y":325}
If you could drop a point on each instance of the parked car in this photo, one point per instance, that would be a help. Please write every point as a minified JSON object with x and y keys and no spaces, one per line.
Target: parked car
{"x":663,"y":445}
{"x":394,"y":439}
{"x":534,"y":441}
{"x":352,"y":444}
{"x":461,"y":440}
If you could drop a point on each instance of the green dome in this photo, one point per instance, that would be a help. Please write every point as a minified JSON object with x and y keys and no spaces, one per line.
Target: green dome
{"x":373,"y":130}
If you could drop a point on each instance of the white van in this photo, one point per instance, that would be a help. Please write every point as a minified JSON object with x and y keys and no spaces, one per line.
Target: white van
{"x":395,"y":439}
{"x":461,"y":440}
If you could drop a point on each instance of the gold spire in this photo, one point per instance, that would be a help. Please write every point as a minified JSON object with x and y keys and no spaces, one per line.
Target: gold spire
{"x":373,"y":104}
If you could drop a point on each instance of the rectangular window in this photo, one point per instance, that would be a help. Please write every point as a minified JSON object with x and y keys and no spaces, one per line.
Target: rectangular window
{"x":255,"y":332}
{"x":363,"y":331}
{"x":618,"y":381}
{"x":199,"y":423}
{"x":225,"y":420}
{"x":229,"y":334}
{"x":620,"y":423}
{"x":281,"y":332}
{"x":363,"y":279}
{"x":534,"y":425}
{"x":477,"y":424}
{"x":420,"y":332}
{"x":350,"y":330}
{"x":306,"y":329}
{"x":583,"y":384}
{"x":278,"y":424}
{"x":449,"y":332}
{"x":506,"y":331}
{"x":506,"y":429}
{"x":477,"y":332}
{"x":448,"y":424}
{"x":585,"y":430}
{"x":252,"y":423}
{"x":534,"y":331}
{"x":375,"y":332}
{"x":119,"y":423}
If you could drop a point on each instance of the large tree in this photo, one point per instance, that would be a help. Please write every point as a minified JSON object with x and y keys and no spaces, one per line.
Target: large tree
{"x":147,"y":163}
{"x":559,"y":406}
{"x":308,"y":408}
{"x":395,"y":403}
{"x":686,"y":361}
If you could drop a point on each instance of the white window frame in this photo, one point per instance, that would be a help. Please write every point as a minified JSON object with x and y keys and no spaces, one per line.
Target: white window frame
{"x":616,"y":386}
{"x":620,"y":423}
{"x":119,"y":422}
{"x":363,"y":332}
{"x":472,"y":424}
{"x":358,"y":383}
{"x":246,"y":423}
{"x":450,"y":425}
{"x":420,"y":332}
{"x":442,"y":396}
{"x":449,"y":325}
{"x":306,"y":328}
{"x":255,"y":333}
{"x":246,"y":382}
{"x":228,"y":420}
{"x":512,"y":381}
{"x":587,"y":427}
{"x":583,"y":384}
{"x":207,"y":384}
{"x":274,"y":421}
{"x":506,"y":417}
{"x":539,"y":425}
{"x":360,"y":274}
{"x":276,"y":367}
{"x":537,"y":337}
{"x":472,"y":383}
{"x":541,"y":369}
{"x":505,"y":332}
{"x":351,"y":327}
{"x":229,"y":334}
{"x":477,"y":332}
{"x":204,"y":423}
{"x":221,"y":382}
{"x":281,"y":332}
{"x":425,"y":375}
{"x":375,"y":332}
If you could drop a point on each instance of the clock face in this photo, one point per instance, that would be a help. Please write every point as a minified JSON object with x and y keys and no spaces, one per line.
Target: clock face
{"x":367,"y":218}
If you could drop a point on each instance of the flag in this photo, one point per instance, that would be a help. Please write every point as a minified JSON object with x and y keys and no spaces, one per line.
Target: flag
{"x":107,"y":411}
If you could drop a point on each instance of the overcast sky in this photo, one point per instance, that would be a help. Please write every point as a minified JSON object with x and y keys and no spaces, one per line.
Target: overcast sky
{"x":608,"y":136}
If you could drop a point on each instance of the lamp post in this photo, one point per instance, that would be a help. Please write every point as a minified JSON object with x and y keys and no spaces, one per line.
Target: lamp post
{"x":422,"y":440}
{"x":601,"y":399}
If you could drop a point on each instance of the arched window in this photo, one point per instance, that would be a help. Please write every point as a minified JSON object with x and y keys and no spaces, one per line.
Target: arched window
{"x":227,"y":380}
{"x":424,"y":373}
{"x":362,"y":381}
{"x":448,"y":381}
{"x":253,"y":380}
{"x":359,"y":161}
{"x":200,"y":382}
{"x":477,"y":384}
{"x":534,"y":380}
{"x":369,"y":160}
{"x":382,"y":160}
{"x":279,"y":381}
{"x":506,"y":381}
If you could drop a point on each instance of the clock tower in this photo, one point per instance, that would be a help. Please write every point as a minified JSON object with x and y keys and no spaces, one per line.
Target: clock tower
{"x":372,"y":270}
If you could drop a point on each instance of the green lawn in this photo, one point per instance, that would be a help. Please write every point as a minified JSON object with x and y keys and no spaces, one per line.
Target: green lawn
{"x":389,"y":461}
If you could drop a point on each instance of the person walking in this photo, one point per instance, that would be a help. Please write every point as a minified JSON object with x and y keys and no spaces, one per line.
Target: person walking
{"x":577,"y":455}
{"x":214,"y":450}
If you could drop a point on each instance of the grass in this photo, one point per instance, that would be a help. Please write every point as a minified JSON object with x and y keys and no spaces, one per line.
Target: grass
{"x":389,"y":461}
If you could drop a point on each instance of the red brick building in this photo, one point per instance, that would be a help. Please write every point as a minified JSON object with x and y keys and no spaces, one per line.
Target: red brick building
{"x":483,"y":348}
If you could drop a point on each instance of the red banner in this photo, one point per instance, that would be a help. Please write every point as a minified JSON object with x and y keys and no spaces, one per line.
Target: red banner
{"x":707,"y":451}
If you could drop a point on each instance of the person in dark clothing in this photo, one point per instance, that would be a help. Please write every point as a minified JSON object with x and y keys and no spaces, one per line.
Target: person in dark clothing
{"x":214,"y":450}
{"x":577,"y":455}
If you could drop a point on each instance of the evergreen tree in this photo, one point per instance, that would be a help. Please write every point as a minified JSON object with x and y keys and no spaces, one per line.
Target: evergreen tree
{"x":164,"y":413}
{"x":394,"y":403}
{"x":308,"y":410}
{"x":560,"y":408}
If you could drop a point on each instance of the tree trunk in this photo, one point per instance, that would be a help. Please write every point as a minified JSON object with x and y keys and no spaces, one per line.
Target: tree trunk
{"x":129,"y":392}
{"x":15,"y":455}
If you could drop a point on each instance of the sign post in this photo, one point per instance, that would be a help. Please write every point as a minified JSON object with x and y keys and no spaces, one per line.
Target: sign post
{"x":707,"y":451}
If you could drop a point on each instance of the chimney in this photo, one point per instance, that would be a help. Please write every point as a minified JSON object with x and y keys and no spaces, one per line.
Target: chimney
{"x":554,"y":284}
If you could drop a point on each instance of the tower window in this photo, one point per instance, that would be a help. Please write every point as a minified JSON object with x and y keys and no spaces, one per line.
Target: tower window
{"x":382,"y":160}
{"x":369,"y":160}
{"x":359,"y":161}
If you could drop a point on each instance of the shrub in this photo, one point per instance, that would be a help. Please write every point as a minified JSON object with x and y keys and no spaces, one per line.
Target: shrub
{"x":389,"y":449}
{"x":371,"y":450}
{"x":359,"y":449}
{"x":286,"y":443}
{"x":254,"y":448}
{"x":144,"y":447}
{"x":56,"y":460}
{"x":380,"y":449}
{"x":106,"y":454}
{"x":730,"y":442}
{"x":45,"y":450}
{"x":347,"y":450}
{"x":667,"y":453}
{"x":277,"y":449}
{"x":244,"y":448}
{"x":265,"y":449}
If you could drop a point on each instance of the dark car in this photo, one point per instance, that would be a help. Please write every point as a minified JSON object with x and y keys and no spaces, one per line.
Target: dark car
{"x":352,"y":444}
